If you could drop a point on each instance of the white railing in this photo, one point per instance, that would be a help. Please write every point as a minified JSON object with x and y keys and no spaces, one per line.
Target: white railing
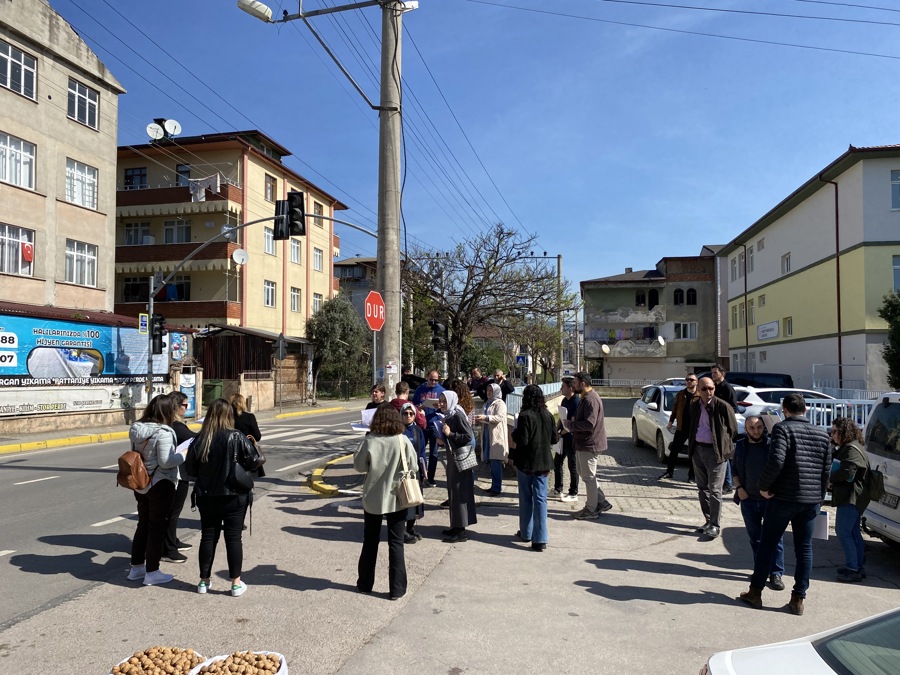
{"x":632,"y":384}
{"x":823,"y":411}
{"x":514,"y":400}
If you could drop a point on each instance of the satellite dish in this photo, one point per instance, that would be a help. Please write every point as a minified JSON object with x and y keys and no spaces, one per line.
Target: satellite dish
{"x":155,"y":131}
{"x":173,"y":128}
{"x":661,"y":340}
{"x":604,"y":349}
{"x":240,"y":256}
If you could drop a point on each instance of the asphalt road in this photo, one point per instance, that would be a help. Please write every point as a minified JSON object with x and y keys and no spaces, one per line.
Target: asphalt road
{"x":67,"y":523}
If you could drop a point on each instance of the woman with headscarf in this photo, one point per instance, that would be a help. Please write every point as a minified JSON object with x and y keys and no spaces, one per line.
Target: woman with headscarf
{"x":495,"y":438}
{"x":456,"y":433}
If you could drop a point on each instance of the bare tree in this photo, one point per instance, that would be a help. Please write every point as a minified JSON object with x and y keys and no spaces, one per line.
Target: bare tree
{"x":487,"y":280}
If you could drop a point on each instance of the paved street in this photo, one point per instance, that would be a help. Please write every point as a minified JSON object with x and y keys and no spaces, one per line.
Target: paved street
{"x":636,"y":591}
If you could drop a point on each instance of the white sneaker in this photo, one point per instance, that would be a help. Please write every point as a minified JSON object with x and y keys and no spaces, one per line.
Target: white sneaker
{"x":157,"y":577}
{"x":137,"y":572}
{"x":238,"y":589}
{"x":569,"y":498}
{"x":556,"y":493}
{"x":203,"y":587}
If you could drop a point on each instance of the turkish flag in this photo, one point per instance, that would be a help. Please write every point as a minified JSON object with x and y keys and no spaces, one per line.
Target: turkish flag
{"x":27,"y":251}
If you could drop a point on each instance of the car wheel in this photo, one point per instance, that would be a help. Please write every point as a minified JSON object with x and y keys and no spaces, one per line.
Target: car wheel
{"x":660,"y":447}
{"x":634,"y":434}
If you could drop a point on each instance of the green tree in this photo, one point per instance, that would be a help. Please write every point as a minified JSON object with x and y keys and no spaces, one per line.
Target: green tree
{"x":417,"y":348}
{"x":339,"y":338}
{"x":890,"y":312}
{"x":538,"y":336}
{"x":486,"y":357}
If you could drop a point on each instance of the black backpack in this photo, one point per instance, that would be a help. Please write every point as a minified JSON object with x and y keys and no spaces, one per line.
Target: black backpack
{"x":874,"y":484}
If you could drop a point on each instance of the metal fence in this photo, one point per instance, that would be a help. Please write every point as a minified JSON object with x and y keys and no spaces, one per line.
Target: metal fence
{"x":514,"y":400}
{"x":343,"y":389}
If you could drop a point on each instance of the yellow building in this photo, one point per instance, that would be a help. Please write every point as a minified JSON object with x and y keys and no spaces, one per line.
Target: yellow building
{"x":805,"y":281}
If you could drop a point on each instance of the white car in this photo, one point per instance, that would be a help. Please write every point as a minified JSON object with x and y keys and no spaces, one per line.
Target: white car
{"x":753,"y":401}
{"x":883,"y":445}
{"x":668,"y":382}
{"x":860,"y":648}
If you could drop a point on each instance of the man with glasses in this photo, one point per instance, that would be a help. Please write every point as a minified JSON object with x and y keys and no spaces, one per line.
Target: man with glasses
{"x":430,"y":390}
{"x":589,"y":439}
{"x":713,"y":428}
{"x":680,"y":420}
{"x":500,"y":380}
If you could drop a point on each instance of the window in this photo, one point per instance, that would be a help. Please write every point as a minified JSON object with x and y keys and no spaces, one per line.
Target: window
{"x":678,"y":297}
{"x":686,"y":331}
{"x":269,"y":240}
{"x":269,"y":293}
{"x":762,"y":356}
{"x":177,"y":231}
{"x":742,"y":315}
{"x":691,"y":296}
{"x":318,"y":259}
{"x":786,"y":263}
{"x":81,"y":184}
{"x":319,"y":210}
{"x":295,"y":251}
{"x":742,"y":261}
{"x":762,"y":300}
{"x":295,"y":299}
{"x":179,"y":288}
{"x":749,"y":259}
{"x":16,"y":250}
{"x":788,"y":326}
{"x":761,"y":244}
{"x":271,"y":187}
{"x":317,"y":302}
{"x":17,"y":161}
{"x":83,"y":103}
{"x":136,"y":179}
{"x":135,"y":233}
{"x":17,"y":70}
{"x":734,"y":317}
{"x":184,"y":174}
{"x":81,"y":263}
{"x":752,"y":312}
{"x":135,"y":289}
{"x":895,"y":189}
{"x":734,"y":269}
{"x":654,"y":298}
{"x":896,"y":272}
{"x":640,"y":299}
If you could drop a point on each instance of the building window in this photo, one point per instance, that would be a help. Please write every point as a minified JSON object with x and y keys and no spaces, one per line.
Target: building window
{"x":135,"y":179}
{"x":16,"y":250}
{"x":788,"y":325}
{"x":686,"y":331}
{"x":83,"y":103}
{"x":691,"y":296}
{"x":762,"y":356}
{"x":17,"y":161}
{"x":271,"y":188}
{"x":734,"y":269}
{"x":295,"y":299}
{"x":269,"y":293}
{"x":734,"y":317}
{"x":762,"y":300}
{"x":177,"y":231}
{"x":318,"y":259}
{"x":319,"y":210}
{"x":317,"y":302}
{"x":749,"y":259}
{"x":179,"y":288}
{"x":18,"y":70}
{"x":135,"y":289}
{"x":81,"y":263}
{"x":654,"y":298}
{"x":269,"y":240}
{"x":678,"y":297}
{"x":640,"y":299}
{"x":742,"y":261}
{"x":895,"y":189}
{"x":761,"y":244}
{"x":896,"y":265}
{"x":742,"y":315}
{"x":137,"y":234}
{"x":295,"y":251}
{"x":752,"y":312}
{"x":184,"y":174}
{"x":81,"y":184}
{"x":786,"y":263}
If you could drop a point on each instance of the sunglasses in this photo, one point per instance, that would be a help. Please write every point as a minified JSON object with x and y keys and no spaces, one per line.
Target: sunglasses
{"x":690,"y":380}
{"x":184,"y":405}
{"x":409,"y":412}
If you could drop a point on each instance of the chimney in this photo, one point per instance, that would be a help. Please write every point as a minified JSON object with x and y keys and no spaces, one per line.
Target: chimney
{"x":628,"y":270}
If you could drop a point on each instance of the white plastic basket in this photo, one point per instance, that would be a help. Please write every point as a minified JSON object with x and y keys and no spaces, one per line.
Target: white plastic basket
{"x":283,"y":670}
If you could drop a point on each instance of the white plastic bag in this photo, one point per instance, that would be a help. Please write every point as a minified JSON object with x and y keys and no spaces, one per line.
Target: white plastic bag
{"x":283,"y":670}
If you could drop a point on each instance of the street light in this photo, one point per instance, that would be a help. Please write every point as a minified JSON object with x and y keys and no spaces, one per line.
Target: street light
{"x":559,"y":320}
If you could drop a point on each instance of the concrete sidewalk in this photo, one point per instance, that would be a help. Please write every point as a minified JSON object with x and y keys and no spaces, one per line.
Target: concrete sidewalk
{"x":635,"y":591}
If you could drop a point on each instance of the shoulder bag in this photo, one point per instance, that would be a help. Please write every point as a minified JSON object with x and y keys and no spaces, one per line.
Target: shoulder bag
{"x":464,"y":457}
{"x":239,"y":478}
{"x":408,"y":492}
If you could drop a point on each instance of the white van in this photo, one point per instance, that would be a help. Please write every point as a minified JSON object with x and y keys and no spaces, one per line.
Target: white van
{"x":882,"y":518}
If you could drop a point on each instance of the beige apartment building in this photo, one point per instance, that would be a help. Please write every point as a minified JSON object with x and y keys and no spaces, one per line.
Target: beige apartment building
{"x":176,"y":194}
{"x":58,"y":126}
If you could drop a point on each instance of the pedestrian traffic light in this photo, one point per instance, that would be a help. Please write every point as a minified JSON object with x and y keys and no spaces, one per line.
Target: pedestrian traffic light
{"x":440,"y":336}
{"x":282,"y":231}
{"x":296,"y":214}
{"x":156,"y":333}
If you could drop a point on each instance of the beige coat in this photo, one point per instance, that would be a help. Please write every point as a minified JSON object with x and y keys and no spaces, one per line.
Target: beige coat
{"x":499,"y":435}
{"x":379,"y":458}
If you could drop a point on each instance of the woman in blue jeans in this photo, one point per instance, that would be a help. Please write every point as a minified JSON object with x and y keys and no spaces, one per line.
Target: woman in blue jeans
{"x":849,"y":471}
{"x":532,"y":455}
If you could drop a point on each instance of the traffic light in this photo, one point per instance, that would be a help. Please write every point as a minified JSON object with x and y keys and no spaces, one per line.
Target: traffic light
{"x":282,"y":231}
{"x":296,"y":214}
{"x":440,"y":336}
{"x":156,"y":333}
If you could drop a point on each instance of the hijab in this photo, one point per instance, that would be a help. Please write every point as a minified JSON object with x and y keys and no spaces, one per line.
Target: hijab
{"x":411,"y":407}
{"x":452,"y":403}
{"x":494,"y":394}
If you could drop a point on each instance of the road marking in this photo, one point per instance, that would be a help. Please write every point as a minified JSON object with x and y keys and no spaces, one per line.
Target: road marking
{"x":291,"y":466}
{"x":299,"y":434}
{"x":112,"y":520}
{"x":111,"y":466}
{"x":36,"y":480}
{"x":3,"y":553}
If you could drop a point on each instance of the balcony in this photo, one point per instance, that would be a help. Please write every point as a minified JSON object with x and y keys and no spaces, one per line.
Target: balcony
{"x":164,"y":257}
{"x":174,"y":199}
{"x":626,"y":348}
{"x":185,"y":311}
{"x":626,"y":315}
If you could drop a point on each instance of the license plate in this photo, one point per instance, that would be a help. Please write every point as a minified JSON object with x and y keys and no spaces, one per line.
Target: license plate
{"x":889,"y":500}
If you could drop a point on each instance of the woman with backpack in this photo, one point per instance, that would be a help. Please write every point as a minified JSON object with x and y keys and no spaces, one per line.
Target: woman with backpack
{"x":221,"y":459}
{"x":849,"y":471}
{"x":152,"y":436}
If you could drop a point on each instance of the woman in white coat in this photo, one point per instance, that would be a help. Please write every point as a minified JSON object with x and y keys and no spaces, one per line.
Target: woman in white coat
{"x":495,"y":438}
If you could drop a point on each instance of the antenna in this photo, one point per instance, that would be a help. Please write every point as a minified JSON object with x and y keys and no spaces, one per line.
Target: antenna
{"x":240,"y":256}
{"x":173,"y":128}
{"x":155,"y":131}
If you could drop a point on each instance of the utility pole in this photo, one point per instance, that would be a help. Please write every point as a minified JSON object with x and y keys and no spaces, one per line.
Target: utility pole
{"x":559,"y":316}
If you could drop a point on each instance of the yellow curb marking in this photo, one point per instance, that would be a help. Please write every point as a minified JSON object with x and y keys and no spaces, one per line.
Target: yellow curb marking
{"x":315,"y":479}
{"x":300,"y":413}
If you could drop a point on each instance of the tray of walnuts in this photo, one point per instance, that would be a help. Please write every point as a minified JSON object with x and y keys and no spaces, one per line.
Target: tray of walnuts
{"x":246,"y":663}
{"x":169,"y":660}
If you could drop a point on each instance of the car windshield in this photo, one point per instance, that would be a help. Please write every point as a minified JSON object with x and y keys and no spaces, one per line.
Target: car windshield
{"x":777,"y":395}
{"x":883,"y":432}
{"x":872,"y":648}
{"x":670,"y":399}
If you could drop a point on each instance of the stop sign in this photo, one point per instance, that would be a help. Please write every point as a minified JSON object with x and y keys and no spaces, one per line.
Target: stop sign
{"x":374,"y":310}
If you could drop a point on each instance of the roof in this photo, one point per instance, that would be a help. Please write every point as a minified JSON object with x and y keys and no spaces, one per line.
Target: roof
{"x":853,"y":156}
{"x":82,"y":315}
{"x":217,"y":328}
{"x":358,"y":260}
{"x":629,"y":277}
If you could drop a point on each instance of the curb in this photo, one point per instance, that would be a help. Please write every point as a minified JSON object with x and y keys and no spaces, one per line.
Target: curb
{"x":301,"y":413}
{"x":316,"y":479}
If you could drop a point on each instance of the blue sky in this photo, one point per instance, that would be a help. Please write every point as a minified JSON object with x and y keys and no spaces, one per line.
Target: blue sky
{"x":616,"y":144}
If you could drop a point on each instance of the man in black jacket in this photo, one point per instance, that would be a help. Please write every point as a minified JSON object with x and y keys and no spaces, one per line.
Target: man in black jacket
{"x":794,"y":481}
{"x":725,"y":392}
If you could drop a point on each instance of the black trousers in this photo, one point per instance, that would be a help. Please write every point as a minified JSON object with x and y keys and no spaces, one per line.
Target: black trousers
{"x":153,"y":520}
{"x":181,"y":492}
{"x":568,"y":456}
{"x":369,"y":554}
{"x":217,"y":515}
{"x":676,"y":447}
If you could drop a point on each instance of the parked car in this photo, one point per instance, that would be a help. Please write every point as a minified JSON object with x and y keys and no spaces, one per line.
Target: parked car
{"x":650,"y":415}
{"x":753,"y":401}
{"x":670,"y":381}
{"x":863,"y":647}
{"x":883,"y":446}
{"x":758,"y":380}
